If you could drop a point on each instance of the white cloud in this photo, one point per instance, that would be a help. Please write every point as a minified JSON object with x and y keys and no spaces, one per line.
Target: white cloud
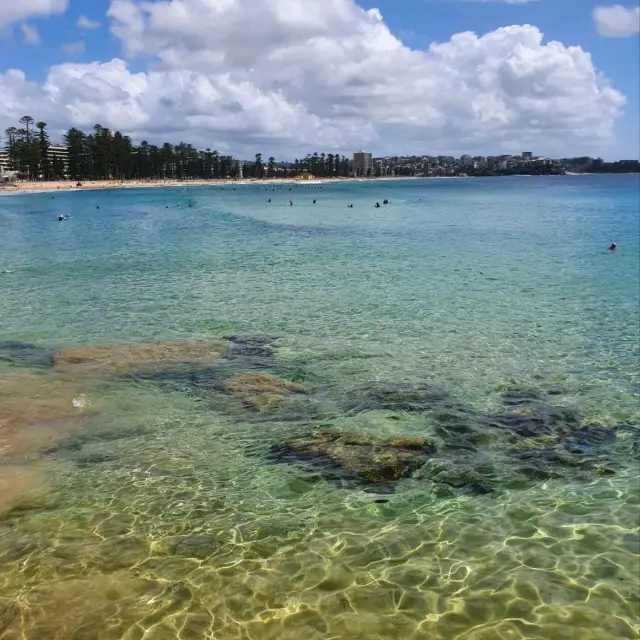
{"x":30,"y":34}
{"x":17,"y":10}
{"x":73,"y":47}
{"x":284,"y":79}
{"x":617,"y":21}
{"x":88,"y":23}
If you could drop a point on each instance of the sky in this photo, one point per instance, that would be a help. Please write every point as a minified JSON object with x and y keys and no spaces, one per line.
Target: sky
{"x":289,"y":77}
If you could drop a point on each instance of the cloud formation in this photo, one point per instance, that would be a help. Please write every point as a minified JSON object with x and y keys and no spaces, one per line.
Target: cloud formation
{"x":616,"y":21}
{"x":87,"y":23}
{"x":12,"y":11}
{"x":73,"y":47}
{"x":284,"y":78}
{"x":30,"y":34}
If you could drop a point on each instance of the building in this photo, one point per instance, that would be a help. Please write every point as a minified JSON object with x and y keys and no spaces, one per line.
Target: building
{"x":58,"y":159}
{"x":527,"y":155}
{"x":466,"y":161}
{"x":5,"y":161}
{"x":304,"y":175}
{"x":239,"y":169}
{"x":363,"y":163}
{"x":58,"y":152}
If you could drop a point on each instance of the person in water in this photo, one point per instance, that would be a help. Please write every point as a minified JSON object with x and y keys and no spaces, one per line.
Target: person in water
{"x":60,"y":218}
{"x":613,"y":246}
{"x":290,"y":203}
{"x":314,"y":202}
{"x":349,"y":206}
{"x":269,"y":200}
{"x":377,"y":205}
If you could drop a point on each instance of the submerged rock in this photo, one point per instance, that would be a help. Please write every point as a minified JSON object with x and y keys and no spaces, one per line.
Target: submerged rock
{"x":260,"y":383}
{"x":556,"y":462}
{"x":25,"y":355}
{"x":338,"y":454}
{"x":397,"y":397}
{"x":138,"y":357}
{"x":36,"y":409}
{"x":261,"y":391}
{"x":588,"y":439}
{"x":583,"y":451}
{"x":465,"y":471}
{"x":533,"y":419}
{"x":461,"y":429}
{"x":251,"y":346}
{"x":521,"y":397}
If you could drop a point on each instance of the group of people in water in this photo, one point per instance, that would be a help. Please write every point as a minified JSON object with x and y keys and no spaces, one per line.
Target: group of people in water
{"x":349,"y":206}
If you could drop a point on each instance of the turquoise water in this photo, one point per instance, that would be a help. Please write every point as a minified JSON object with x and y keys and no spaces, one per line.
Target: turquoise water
{"x":159,"y":513}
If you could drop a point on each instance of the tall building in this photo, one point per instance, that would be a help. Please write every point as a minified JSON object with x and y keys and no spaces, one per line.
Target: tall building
{"x":527,"y":155}
{"x":363,"y":163}
{"x":466,"y":160}
{"x":5,"y":161}
{"x":58,"y":157}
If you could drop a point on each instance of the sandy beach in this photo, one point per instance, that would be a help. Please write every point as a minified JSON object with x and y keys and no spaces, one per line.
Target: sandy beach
{"x":61,"y":185}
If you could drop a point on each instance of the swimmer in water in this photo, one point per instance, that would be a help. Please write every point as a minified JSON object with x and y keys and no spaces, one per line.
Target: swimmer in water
{"x":349,"y":206}
{"x":613,"y":246}
{"x":377,"y":205}
{"x":60,"y":218}
{"x":314,"y":202}
{"x":290,"y":203}
{"x":269,"y":200}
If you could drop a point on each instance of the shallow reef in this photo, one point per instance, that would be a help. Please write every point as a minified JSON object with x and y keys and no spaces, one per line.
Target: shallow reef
{"x":133,"y":357}
{"x":529,"y":439}
{"x":356,"y":456}
{"x":397,"y":397}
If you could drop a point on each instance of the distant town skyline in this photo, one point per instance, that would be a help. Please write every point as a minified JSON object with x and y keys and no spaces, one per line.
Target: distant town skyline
{"x":434,"y":76}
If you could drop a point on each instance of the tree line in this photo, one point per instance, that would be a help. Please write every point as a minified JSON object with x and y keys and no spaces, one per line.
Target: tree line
{"x":104,"y":154}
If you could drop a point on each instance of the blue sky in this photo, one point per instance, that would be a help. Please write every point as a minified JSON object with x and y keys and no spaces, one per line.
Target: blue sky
{"x":417,"y":23}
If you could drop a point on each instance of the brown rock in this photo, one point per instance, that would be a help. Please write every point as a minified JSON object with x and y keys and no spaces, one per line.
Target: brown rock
{"x":36,"y":409}
{"x":128,"y":358}
{"x":261,"y":383}
{"x":370,"y":459}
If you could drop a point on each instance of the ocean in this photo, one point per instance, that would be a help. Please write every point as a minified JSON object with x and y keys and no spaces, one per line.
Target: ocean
{"x":223,"y":417}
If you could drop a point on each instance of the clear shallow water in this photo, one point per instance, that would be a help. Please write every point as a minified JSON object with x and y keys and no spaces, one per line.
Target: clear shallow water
{"x":157,"y":513}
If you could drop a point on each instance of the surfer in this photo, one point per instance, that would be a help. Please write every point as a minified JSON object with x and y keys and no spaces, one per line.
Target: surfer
{"x":613,"y":246}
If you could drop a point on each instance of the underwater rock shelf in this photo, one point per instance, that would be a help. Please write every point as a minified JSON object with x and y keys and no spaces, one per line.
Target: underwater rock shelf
{"x":375,"y":461}
{"x":530,"y":439}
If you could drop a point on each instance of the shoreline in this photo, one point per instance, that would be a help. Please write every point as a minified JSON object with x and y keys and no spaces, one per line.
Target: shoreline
{"x":94,"y":185}
{"x":56,"y":186}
